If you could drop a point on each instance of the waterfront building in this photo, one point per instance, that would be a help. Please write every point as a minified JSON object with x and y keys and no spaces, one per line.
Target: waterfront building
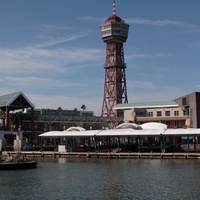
{"x":21,"y":124}
{"x":182,"y":112}
{"x":19,"y":117}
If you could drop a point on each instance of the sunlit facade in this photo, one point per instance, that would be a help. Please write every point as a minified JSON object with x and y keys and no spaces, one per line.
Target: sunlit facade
{"x":183,"y":112}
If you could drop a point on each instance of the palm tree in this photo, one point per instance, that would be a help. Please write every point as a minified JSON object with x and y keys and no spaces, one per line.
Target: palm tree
{"x":59,"y":108}
{"x":83,"y":107}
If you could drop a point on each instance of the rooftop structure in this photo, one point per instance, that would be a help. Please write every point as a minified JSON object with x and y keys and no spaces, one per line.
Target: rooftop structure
{"x":11,"y":102}
{"x":163,"y":104}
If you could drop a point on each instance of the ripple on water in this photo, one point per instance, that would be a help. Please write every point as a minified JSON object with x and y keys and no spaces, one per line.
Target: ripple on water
{"x":103,"y":179}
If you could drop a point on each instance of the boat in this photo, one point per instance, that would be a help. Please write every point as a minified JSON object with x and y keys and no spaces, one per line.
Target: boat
{"x":20,"y":161}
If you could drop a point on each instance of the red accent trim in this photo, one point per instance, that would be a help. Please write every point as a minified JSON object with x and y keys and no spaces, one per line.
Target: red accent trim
{"x":7,"y":117}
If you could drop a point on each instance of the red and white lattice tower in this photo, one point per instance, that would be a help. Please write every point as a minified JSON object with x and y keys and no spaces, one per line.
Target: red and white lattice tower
{"x":114,"y":33}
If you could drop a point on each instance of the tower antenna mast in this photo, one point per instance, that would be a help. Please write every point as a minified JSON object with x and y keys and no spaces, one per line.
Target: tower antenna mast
{"x":114,"y":7}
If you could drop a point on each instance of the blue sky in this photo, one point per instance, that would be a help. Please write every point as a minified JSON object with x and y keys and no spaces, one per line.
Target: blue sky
{"x":52,"y":51}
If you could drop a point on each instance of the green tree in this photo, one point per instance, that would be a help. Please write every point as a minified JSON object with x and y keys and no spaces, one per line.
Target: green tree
{"x":83,"y":107}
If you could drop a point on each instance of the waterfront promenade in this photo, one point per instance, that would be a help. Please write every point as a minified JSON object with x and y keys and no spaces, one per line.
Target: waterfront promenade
{"x":116,"y":155}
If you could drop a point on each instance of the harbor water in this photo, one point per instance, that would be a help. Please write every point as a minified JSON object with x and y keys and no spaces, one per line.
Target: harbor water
{"x":106,"y":179}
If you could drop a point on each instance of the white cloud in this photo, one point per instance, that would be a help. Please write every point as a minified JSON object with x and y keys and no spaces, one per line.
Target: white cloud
{"x":198,"y":87}
{"x":49,"y":35}
{"x":166,"y":94}
{"x":189,"y":27}
{"x":40,"y":61}
{"x":141,"y":21}
{"x":49,"y":26}
{"x":63,"y":39}
{"x":147,"y":56}
{"x":154,"y":22}
{"x":49,"y":71}
{"x":141,"y":84}
{"x":66,"y":102}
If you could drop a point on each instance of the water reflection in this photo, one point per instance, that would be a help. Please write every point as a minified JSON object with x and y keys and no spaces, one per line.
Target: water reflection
{"x":77,"y":178}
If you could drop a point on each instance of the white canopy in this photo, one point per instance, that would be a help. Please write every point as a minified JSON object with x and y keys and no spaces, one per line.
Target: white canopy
{"x":121,"y":133}
{"x":65,"y":134}
{"x":75,"y":128}
{"x":128,"y":125}
{"x":181,"y":131}
{"x":127,"y":132}
{"x":153,"y":125}
{"x":124,"y":130}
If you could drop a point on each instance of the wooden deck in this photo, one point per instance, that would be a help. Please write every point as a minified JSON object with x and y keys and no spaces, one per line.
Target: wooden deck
{"x":135,"y":155}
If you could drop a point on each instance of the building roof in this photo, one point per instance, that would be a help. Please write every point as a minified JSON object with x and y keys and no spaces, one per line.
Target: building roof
{"x":162,"y":104}
{"x":154,"y":125}
{"x":129,"y":126}
{"x":14,"y":101}
{"x":114,"y":18}
{"x":122,"y":133}
{"x":148,"y":129}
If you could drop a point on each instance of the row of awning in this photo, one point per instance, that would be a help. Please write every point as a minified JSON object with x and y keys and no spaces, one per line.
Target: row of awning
{"x":151,"y":129}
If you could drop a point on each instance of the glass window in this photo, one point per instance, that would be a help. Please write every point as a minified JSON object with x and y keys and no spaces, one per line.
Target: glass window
{"x":159,"y":113}
{"x":176,"y":123}
{"x":150,"y":114}
{"x":167,"y":113}
{"x":185,"y":101}
{"x":176,"y":113}
{"x":186,"y":112}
